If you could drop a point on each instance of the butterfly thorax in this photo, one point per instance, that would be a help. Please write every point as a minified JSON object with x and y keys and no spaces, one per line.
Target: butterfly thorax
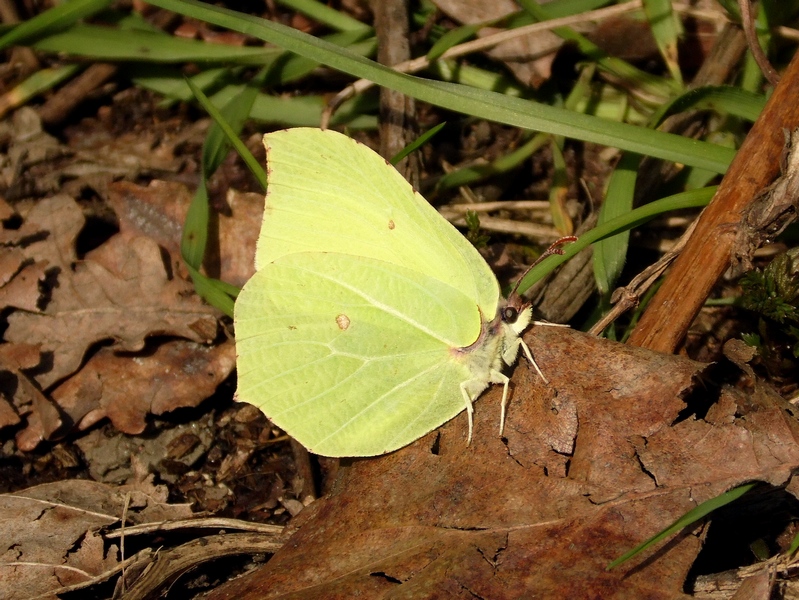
{"x":491,"y":349}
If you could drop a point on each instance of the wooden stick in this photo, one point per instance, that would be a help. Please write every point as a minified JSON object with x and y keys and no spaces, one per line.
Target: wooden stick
{"x":707,"y":254}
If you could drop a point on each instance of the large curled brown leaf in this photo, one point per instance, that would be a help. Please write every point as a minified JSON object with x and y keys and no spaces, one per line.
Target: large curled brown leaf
{"x":603,"y":458}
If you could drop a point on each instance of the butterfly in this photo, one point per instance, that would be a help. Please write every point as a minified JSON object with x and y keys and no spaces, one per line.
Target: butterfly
{"x":370,"y":320}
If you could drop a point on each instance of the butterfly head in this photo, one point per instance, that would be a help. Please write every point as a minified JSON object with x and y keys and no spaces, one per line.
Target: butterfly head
{"x":517,"y":313}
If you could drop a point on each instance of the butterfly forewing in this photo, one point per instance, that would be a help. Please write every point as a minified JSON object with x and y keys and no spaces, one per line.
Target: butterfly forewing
{"x":328,"y":193}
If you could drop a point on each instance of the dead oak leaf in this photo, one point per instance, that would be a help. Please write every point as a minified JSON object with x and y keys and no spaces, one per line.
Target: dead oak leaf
{"x":101,"y":149}
{"x":22,"y":289}
{"x":11,"y":262}
{"x":48,"y":230}
{"x":21,"y":396}
{"x":529,"y":57}
{"x":607,"y":455}
{"x":127,"y":388}
{"x":6,"y":211}
{"x":120,"y":292}
{"x":28,"y":164}
{"x":238,"y":234}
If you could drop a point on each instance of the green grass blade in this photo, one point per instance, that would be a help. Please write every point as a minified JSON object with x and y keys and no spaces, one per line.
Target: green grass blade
{"x":558,"y":193}
{"x":508,"y":162}
{"x":488,"y":105}
{"x":171,"y":82}
{"x":286,"y":67}
{"x":124,"y":45}
{"x":454,"y":37}
{"x":293,"y":67}
{"x":233,"y":138}
{"x":222,"y":134}
{"x":559,"y":189}
{"x":458,"y":72}
{"x":650,"y":83}
{"x":417,"y":143}
{"x":216,"y":293}
{"x":40,"y":81}
{"x":63,"y":15}
{"x":794,"y":545}
{"x":233,"y":115}
{"x":195,"y":229}
{"x":610,"y":253}
{"x":722,"y":99}
{"x":216,"y":146}
{"x":634,"y":218}
{"x":689,"y":518}
{"x":567,"y":8}
{"x":306,"y":111}
{"x":112,"y":44}
{"x":667,"y":30}
{"x":321,"y":13}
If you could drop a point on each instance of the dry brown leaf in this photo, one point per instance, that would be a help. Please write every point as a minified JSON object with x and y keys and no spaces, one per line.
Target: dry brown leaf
{"x":49,"y":230}
{"x":593,"y":464}
{"x":159,"y":211}
{"x":123,"y":458}
{"x":101,"y":150}
{"x":52,"y":533}
{"x":120,"y":292}
{"x":97,"y":152}
{"x":529,"y":57}
{"x":756,"y":587}
{"x":24,"y":397}
{"x":127,"y":388}
{"x":23,"y":290}
{"x":8,"y":416}
{"x":11,"y":261}
{"x":27,"y":167}
{"x":6,"y":211}
{"x":237,"y":236}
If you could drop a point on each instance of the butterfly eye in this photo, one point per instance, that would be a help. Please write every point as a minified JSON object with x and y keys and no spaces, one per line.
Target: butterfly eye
{"x":510,"y":314}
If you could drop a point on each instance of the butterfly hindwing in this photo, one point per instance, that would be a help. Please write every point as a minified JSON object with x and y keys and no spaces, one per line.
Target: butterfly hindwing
{"x":353,"y":356}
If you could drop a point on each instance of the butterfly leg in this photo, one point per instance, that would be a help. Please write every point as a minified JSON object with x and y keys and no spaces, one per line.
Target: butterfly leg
{"x":469,"y":409}
{"x":498,"y":377}
{"x":513,"y":350}
{"x":548,"y":324}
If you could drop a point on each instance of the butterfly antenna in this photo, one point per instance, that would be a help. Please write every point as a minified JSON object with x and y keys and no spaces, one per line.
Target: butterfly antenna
{"x":554,"y":248}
